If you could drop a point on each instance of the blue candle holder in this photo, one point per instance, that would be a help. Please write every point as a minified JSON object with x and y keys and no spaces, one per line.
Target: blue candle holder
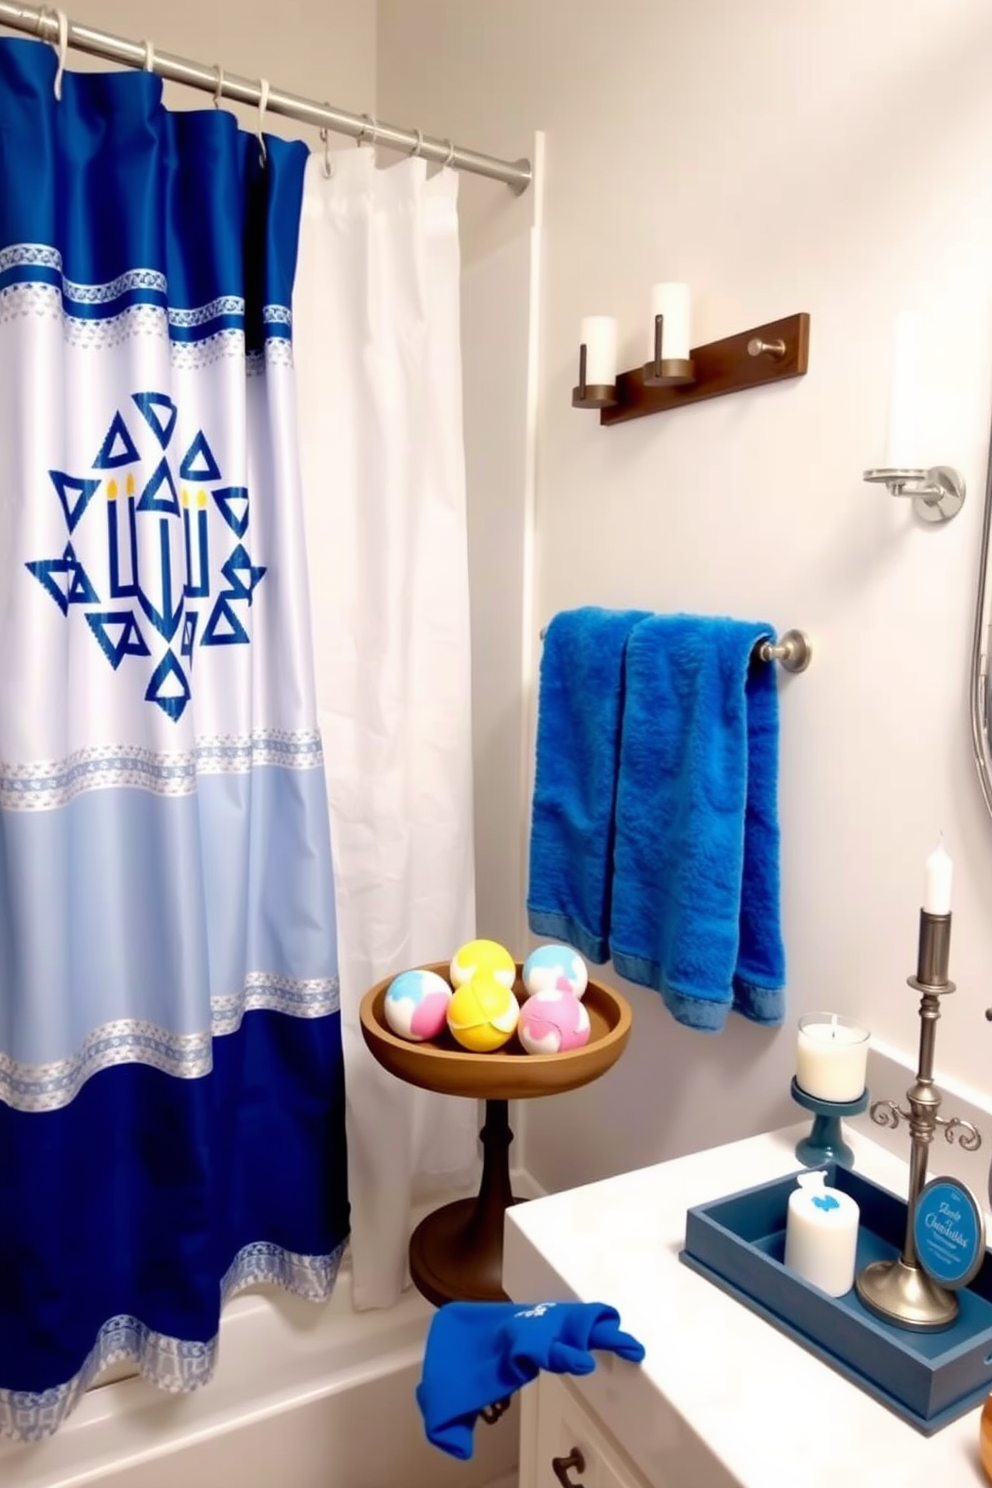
{"x":825,"y":1142}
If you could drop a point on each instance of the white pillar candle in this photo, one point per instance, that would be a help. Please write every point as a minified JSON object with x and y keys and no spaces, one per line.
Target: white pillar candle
{"x":598,"y":333}
{"x":672,"y":302}
{"x":831,"y":1057}
{"x":937,"y":882}
{"x":821,"y":1234}
{"x":903,"y":443}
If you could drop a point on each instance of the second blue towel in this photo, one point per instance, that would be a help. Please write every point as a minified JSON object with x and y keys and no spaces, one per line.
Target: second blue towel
{"x":695,"y":905}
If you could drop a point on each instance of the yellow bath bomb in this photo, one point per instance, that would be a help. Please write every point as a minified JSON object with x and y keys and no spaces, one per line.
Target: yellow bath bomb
{"x":483,"y":1014}
{"x":482,"y":956}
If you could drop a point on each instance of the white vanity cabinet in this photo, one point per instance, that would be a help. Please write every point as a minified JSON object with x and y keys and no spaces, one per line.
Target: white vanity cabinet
{"x":722,"y":1398}
{"x":562,"y":1442}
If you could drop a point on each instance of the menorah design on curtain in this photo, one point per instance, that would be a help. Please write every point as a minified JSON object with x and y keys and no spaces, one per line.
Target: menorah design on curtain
{"x":141,"y":563}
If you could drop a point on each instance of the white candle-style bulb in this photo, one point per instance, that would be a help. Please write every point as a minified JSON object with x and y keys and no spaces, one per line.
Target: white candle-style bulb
{"x":598,"y":333}
{"x":673,"y":302}
{"x":903,"y":443}
{"x":937,"y":881}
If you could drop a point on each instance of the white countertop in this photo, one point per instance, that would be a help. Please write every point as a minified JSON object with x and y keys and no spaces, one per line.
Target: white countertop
{"x":722,"y":1399}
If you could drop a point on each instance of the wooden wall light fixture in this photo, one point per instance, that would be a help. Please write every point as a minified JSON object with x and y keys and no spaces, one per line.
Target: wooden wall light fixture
{"x":676,"y":374}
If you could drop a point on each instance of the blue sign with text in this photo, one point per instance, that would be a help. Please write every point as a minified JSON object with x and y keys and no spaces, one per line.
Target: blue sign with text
{"x":949,"y":1231}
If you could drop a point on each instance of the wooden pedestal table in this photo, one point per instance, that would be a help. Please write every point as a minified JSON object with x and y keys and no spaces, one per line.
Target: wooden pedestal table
{"x":456,"y":1253}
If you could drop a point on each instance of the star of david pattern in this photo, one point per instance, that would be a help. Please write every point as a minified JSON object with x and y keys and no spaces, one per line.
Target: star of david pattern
{"x":154,"y":509}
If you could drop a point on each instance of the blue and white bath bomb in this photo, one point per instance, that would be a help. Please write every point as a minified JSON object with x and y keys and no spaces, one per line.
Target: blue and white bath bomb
{"x":555,"y":966}
{"x":416,"y":1005}
{"x":552,"y":1022}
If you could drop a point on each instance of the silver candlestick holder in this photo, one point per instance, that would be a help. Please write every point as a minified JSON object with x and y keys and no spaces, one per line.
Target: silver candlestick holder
{"x":900,"y":1290}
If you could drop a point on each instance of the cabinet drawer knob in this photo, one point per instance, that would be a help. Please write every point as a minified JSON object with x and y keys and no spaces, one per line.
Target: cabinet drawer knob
{"x":562,"y":1466}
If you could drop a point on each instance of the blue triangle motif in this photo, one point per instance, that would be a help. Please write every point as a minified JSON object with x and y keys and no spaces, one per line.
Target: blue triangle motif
{"x":242,"y":575}
{"x":45,"y":570}
{"x":118,"y":448}
{"x":128,"y":642}
{"x":148,"y":405}
{"x":235,"y":633}
{"x":172,"y":702}
{"x":81,"y":591}
{"x":70,"y":485}
{"x":190,"y":623}
{"x":151,"y":501}
{"x":77,"y":589}
{"x":198,"y":462}
{"x":229,"y":501}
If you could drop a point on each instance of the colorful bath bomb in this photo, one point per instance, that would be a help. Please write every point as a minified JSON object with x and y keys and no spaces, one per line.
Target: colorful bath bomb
{"x":416,"y":1005}
{"x":558,"y":967}
{"x":482,"y":955}
{"x":553,"y":1021}
{"x":483,"y":1014}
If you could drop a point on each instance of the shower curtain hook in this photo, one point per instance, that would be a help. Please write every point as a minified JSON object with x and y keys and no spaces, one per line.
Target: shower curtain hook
{"x":149,"y":56}
{"x":219,"y":90}
{"x":369,"y":123}
{"x":415,"y":152}
{"x":450,"y":155}
{"x":325,"y":138}
{"x":263,"y":103}
{"x":61,"y":47}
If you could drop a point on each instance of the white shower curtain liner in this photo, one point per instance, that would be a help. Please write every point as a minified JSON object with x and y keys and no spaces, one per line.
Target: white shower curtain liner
{"x":376,"y":341}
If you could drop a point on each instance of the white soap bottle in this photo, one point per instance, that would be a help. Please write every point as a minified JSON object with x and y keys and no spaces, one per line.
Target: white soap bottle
{"x":821,"y":1234}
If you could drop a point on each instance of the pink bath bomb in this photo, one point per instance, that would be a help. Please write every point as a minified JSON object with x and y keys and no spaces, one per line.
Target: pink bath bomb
{"x":553,"y":1021}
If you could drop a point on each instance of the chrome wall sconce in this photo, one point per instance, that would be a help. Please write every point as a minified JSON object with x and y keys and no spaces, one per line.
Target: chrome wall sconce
{"x":936,"y":491}
{"x":675,"y":373}
{"x":937,"y":494}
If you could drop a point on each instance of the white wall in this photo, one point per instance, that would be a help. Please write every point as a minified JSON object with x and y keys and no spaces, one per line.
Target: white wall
{"x":831,"y":157}
{"x":323,"y":49}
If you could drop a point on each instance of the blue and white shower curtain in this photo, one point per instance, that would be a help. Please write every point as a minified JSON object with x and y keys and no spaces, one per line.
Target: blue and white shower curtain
{"x":171,"y":1092}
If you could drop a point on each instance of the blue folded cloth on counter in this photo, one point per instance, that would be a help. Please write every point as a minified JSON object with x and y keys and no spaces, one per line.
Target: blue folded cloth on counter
{"x":578,"y":736}
{"x":480,"y":1352}
{"x":695,"y":909}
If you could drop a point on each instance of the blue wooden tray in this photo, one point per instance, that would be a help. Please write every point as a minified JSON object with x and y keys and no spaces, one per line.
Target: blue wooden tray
{"x":929,"y":1379}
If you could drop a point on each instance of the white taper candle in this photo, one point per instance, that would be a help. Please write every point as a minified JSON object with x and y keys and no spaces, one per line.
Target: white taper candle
{"x":937,"y":881}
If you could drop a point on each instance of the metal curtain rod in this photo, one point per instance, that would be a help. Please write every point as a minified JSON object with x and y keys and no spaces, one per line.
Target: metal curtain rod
{"x":43,"y":23}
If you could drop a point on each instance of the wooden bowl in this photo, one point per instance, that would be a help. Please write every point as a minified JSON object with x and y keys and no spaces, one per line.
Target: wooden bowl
{"x":510,"y":1073}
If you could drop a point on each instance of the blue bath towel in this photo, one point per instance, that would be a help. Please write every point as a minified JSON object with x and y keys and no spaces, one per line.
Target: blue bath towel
{"x":480,"y":1352}
{"x":578,"y":739}
{"x":696,"y":869}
